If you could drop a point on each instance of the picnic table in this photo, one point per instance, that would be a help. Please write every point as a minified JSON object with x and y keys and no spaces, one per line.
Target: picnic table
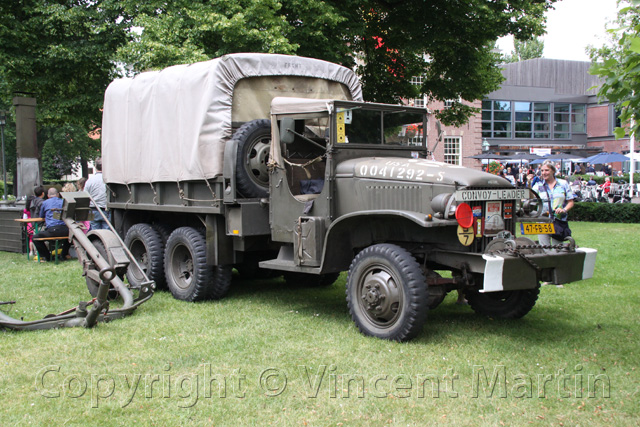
{"x":25,"y":229}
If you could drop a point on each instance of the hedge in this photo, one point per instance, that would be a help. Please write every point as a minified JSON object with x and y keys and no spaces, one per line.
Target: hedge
{"x":605,"y":212}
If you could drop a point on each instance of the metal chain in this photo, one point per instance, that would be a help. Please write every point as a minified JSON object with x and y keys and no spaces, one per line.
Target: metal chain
{"x":527,"y":260}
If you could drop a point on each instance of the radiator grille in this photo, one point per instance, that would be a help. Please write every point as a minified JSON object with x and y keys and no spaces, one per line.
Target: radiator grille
{"x":401,"y":197}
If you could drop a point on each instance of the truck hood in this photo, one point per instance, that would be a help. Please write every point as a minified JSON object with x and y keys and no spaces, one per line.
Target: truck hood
{"x":417,"y":170}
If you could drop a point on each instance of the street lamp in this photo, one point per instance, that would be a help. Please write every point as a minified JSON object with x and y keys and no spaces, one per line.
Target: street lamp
{"x":485,"y":145}
{"x":3,"y":122}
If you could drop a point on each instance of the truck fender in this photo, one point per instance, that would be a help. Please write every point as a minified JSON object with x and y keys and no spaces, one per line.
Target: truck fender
{"x":350,"y":233}
{"x":229,"y":170}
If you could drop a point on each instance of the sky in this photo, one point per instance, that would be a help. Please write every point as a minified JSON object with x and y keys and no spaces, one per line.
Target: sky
{"x":572,"y":26}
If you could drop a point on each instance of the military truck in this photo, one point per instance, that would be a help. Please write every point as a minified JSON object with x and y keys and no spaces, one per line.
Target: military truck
{"x":273,"y":165}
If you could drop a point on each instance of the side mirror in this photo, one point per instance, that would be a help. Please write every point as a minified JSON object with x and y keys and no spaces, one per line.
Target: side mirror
{"x":287,"y":125}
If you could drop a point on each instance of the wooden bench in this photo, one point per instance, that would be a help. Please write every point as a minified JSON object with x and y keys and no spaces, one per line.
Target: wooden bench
{"x":57,"y":240}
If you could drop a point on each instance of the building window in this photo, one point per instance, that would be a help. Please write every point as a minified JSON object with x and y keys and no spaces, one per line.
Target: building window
{"x":416,"y":80}
{"x":614,"y":118}
{"x":532,"y":120}
{"x":561,"y":121}
{"x":417,"y":102}
{"x":524,"y":117}
{"x":541,"y":120}
{"x":453,"y":150}
{"x":496,"y":119}
{"x":448,"y":103}
{"x":578,"y":118}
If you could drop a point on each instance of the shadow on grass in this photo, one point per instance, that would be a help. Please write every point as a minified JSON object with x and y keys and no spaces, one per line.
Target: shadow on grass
{"x":449,"y":321}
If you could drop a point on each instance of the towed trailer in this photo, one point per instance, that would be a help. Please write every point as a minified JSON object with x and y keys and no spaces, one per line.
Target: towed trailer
{"x":104,"y":260}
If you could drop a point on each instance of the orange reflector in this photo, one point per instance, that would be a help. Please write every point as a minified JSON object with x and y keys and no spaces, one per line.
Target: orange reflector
{"x":464,"y":215}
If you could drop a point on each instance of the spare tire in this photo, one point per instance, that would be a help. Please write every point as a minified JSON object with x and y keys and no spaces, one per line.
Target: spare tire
{"x":253,"y":142}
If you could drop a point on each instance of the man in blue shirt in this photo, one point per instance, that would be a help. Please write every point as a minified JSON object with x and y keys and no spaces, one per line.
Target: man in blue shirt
{"x":55,"y":227}
{"x":97,"y":189}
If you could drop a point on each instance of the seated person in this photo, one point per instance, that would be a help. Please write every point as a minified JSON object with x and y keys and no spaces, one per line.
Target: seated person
{"x":55,"y":227}
{"x":606,"y":186}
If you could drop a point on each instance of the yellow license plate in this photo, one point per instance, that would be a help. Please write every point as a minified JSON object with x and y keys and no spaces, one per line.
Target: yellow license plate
{"x":537,"y":228}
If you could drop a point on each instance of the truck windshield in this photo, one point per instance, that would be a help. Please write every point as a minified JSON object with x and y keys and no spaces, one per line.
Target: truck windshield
{"x":391,"y":128}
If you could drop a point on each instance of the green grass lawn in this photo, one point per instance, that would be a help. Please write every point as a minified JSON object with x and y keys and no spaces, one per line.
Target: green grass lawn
{"x":272,"y":354}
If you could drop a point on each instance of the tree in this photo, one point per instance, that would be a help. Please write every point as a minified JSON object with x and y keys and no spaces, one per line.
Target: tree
{"x":527,"y":49}
{"x":67,"y":51}
{"x":447,"y":42}
{"x":618,"y":65}
{"x":62,"y":52}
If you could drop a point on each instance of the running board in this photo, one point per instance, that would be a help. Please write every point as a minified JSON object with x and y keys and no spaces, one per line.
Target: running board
{"x":285,"y":262}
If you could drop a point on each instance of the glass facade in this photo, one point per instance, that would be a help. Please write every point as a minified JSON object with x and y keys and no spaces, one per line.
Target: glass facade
{"x":532,"y":120}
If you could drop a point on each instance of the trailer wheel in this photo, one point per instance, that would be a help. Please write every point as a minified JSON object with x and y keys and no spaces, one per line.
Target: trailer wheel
{"x":93,"y":285}
{"x":145,"y":244}
{"x":503,"y":305}
{"x":310,"y":280}
{"x":387,"y":293}
{"x":253,"y":142}
{"x":189,"y":277}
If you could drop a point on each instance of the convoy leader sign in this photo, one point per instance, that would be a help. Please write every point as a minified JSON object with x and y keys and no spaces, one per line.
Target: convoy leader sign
{"x":492,"y":194}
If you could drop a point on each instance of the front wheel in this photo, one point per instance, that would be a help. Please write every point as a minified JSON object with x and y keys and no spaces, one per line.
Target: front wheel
{"x":387,"y":293}
{"x":504,"y":304}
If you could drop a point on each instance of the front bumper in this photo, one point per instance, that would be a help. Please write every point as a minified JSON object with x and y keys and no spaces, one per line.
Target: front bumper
{"x":507,"y":272}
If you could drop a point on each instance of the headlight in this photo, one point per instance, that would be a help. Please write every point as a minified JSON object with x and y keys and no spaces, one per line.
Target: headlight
{"x":445,"y":204}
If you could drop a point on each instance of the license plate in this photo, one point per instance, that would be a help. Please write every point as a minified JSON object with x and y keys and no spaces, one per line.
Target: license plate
{"x":537,"y":228}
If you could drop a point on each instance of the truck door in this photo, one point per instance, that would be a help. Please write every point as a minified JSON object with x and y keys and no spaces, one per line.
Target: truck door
{"x":299,"y":187}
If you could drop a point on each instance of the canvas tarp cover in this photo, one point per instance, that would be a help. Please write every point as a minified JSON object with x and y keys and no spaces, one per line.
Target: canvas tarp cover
{"x":172,"y":125}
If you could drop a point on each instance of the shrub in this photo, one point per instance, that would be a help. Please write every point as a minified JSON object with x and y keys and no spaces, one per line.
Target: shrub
{"x":605,"y":212}
{"x":9,"y":190}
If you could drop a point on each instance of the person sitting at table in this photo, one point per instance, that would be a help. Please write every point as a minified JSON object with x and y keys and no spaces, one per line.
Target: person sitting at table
{"x":55,"y":227}
{"x":36,"y":202}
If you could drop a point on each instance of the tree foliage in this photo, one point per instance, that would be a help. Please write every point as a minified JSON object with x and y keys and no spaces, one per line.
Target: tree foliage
{"x":62,"y":53}
{"x":526,"y":49}
{"x":65,"y":52}
{"x":447,"y":42}
{"x":618,"y":65}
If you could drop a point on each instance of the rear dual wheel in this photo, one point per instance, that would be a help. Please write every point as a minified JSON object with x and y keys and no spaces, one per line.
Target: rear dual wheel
{"x":147,"y":247}
{"x":188,"y":275}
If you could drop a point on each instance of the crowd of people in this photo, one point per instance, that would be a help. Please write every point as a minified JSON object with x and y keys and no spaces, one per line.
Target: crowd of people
{"x":526,"y":176}
{"x":44,"y":204}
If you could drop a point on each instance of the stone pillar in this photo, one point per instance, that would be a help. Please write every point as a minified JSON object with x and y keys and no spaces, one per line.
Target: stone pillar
{"x":28,"y":158}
